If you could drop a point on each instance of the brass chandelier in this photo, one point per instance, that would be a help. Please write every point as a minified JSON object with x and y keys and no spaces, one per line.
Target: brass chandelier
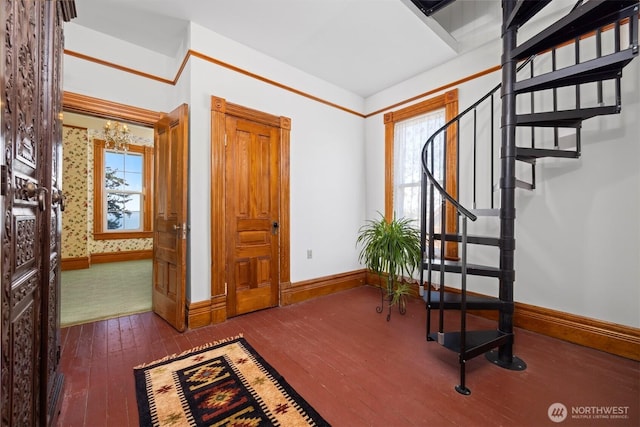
{"x":116,"y":136}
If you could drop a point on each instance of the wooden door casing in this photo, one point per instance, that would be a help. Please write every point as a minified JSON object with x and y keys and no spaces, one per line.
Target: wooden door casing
{"x":220,"y":111}
{"x":252,"y":209}
{"x":170,"y":217}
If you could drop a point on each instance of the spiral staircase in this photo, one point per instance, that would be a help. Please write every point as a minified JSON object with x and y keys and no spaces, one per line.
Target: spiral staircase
{"x":602,"y":38}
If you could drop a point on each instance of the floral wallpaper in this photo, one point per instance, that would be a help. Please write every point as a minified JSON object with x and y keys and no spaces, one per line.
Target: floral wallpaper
{"x":77,"y":220}
{"x":74,"y":183}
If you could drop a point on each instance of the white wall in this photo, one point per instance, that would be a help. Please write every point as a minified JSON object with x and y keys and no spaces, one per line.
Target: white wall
{"x":327,"y":144}
{"x":327,"y":162}
{"x":577,"y":234}
{"x":92,"y":79}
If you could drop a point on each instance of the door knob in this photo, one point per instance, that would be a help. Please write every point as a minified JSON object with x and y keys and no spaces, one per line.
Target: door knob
{"x":30,"y":189}
{"x":181,"y":227}
{"x":58,"y":197}
{"x":274,"y":227}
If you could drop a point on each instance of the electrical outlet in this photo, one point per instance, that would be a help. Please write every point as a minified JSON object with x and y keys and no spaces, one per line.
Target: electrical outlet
{"x":309,"y":254}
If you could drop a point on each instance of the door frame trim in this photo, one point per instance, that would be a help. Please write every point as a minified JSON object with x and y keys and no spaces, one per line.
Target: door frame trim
{"x":220,"y":109}
{"x":77,"y":103}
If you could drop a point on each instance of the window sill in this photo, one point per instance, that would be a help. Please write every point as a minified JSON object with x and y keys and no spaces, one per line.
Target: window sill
{"x":118,"y":235}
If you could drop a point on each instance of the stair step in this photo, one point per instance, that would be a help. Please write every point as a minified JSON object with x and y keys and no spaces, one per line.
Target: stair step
{"x":588,"y":17}
{"x":456,"y":267}
{"x":453,"y":301}
{"x":477,"y":342}
{"x":524,"y":185}
{"x":564,"y":118}
{"x":525,"y":10}
{"x":485,"y":212}
{"x":598,"y":69}
{"x":526,"y":154}
{"x":472,"y":239}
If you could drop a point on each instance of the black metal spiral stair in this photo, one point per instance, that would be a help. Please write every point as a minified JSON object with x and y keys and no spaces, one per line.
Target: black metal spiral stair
{"x":589,"y":19}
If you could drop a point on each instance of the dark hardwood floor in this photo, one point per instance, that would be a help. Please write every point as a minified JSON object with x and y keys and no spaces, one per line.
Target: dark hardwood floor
{"x":357,"y":369}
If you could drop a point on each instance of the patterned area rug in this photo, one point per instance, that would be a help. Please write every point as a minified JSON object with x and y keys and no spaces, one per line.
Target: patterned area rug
{"x":222,"y":384}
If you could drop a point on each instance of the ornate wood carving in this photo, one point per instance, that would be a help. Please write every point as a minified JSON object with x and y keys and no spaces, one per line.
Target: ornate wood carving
{"x":25,"y":240}
{"x":26,"y":149}
{"x":51,"y":391}
{"x":22,"y":357}
{"x":52,"y":325}
{"x":30,"y":58}
{"x":23,"y":290}
{"x":5,"y":295}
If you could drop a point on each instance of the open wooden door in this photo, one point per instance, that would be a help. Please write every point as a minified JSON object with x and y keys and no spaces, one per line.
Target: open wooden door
{"x":170,"y":217}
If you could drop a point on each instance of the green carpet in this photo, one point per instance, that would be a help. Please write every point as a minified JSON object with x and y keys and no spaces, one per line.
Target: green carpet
{"x":105,"y":291}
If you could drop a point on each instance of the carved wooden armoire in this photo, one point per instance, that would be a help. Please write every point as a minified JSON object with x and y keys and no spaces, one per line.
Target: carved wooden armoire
{"x":31,"y":49}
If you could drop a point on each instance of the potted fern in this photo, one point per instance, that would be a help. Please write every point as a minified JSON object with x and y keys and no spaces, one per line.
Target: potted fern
{"x":391,"y":247}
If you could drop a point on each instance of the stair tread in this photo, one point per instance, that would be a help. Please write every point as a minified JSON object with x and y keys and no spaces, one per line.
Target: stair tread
{"x":525,"y":153}
{"x":485,"y":212}
{"x":524,"y":185}
{"x":471,"y":238}
{"x":453,"y":301}
{"x":564,"y":118}
{"x":598,"y":69}
{"x":472,"y":269}
{"x":588,"y":17}
{"x":477,"y":342}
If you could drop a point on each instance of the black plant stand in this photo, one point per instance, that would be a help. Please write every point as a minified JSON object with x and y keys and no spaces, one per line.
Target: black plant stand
{"x":388,"y":296}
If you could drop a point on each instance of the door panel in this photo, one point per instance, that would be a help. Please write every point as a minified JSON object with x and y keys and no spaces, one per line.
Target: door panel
{"x":53,"y":380}
{"x":24,"y":207}
{"x":252,"y":208}
{"x":30,"y":137}
{"x":170,"y":217}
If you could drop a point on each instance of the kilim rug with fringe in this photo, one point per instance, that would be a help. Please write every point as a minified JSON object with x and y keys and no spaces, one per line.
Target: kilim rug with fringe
{"x":225,"y":383}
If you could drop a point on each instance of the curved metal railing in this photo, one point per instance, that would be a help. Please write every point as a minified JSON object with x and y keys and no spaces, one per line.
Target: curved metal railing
{"x":456,"y":121}
{"x":429,"y":179}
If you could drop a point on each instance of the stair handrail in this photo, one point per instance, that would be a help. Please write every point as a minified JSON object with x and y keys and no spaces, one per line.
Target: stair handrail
{"x":456,"y":119}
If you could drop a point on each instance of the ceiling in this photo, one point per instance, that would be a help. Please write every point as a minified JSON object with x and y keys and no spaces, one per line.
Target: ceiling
{"x":363,"y":46}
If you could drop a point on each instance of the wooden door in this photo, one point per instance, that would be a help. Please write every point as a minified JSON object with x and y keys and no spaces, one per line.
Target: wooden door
{"x":252,"y":188}
{"x":30,"y":134}
{"x":24,"y":205}
{"x":170,"y":217}
{"x":52,"y":378}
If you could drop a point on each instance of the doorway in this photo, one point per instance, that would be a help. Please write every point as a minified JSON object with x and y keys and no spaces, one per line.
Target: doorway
{"x":249,"y":209}
{"x":93,"y":260}
{"x":83,"y":245}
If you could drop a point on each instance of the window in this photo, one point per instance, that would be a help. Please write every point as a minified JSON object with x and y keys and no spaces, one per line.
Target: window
{"x":122,"y":192}
{"x":406,"y":131}
{"x":408,"y":140}
{"x":123,"y":172}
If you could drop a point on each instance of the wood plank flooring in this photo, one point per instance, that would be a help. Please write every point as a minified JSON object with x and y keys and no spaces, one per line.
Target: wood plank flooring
{"x":357,"y":369}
